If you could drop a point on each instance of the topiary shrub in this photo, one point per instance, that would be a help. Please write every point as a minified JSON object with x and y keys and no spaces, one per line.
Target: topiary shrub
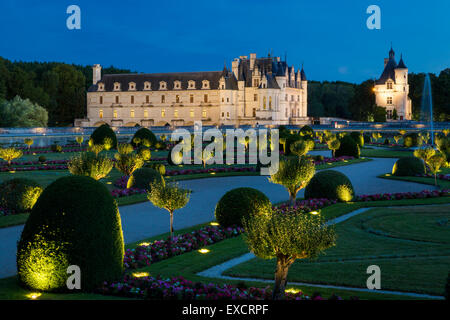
{"x":306,"y":131}
{"x":348,"y":147}
{"x":241,"y":203}
{"x":143,"y":177}
{"x":158,"y":167}
{"x":19,"y":194}
{"x":101,"y":133}
{"x":411,"y":140}
{"x":367,"y":137}
{"x":144,"y":137}
{"x":55,"y":148}
{"x":330,"y":184}
{"x":75,"y":221}
{"x":408,"y":166}
{"x":358,"y":137}
{"x":42,"y":159}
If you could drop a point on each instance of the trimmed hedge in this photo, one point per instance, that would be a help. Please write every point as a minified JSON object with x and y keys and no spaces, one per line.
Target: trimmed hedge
{"x":358,"y":137}
{"x":408,"y":166}
{"x":241,"y":203}
{"x":348,"y":148}
{"x":19,"y":194}
{"x":141,"y":178}
{"x":146,"y":137}
{"x":102,"y":132}
{"x":75,"y":221}
{"x":330,"y":184}
{"x":411,"y":140}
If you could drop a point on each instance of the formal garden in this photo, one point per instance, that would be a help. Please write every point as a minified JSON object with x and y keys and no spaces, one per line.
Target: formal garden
{"x":139,"y":225}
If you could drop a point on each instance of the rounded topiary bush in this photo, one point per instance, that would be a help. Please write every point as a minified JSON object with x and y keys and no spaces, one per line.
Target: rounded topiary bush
{"x":102,"y":132}
{"x":241,"y":203}
{"x":19,"y":194}
{"x":161,"y":168}
{"x":408,"y":166}
{"x":145,"y":138}
{"x":348,"y":147}
{"x":330,"y":184}
{"x":75,"y":221}
{"x":141,"y":178}
{"x":306,"y":131}
{"x":358,"y":137}
{"x":411,"y":140}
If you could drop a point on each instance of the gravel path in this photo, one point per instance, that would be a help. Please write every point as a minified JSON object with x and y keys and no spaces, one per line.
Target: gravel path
{"x":143,"y":220}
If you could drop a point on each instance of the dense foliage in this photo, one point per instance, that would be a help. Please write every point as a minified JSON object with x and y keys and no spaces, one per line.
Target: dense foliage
{"x":74,"y":222}
{"x":91,"y":165}
{"x":19,"y":195}
{"x":20,"y":112}
{"x":412,"y":139}
{"x":408,"y":166}
{"x":240,"y":203}
{"x":104,"y":132}
{"x":143,"y":177}
{"x":348,"y":147}
{"x":144,"y":137}
{"x":330,"y":184}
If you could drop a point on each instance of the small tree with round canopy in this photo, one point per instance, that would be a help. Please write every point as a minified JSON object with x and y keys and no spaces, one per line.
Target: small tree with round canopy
{"x":168,"y":196}
{"x":435,"y":162}
{"x":424,"y":154}
{"x":287,"y":237}
{"x":28,"y":142}
{"x":79,"y":140}
{"x":9,"y":154}
{"x":294,"y":174}
{"x":333,"y":145}
{"x":302,"y":147}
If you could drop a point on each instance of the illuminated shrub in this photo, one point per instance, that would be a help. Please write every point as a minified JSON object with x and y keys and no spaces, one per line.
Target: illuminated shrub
{"x":241,"y":203}
{"x":74,"y":222}
{"x":9,"y":154}
{"x":330,"y":184}
{"x":408,"y":166}
{"x":412,"y":139}
{"x":19,"y":195}
{"x":348,"y":147}
{"x":158,"y":167}
{"x":128,"y":163}
{"x":306,"y":131}
{"x":144,"y":137}
{"x":144,"y":153}
{"x":143,"y":177}
{"x":91,"y":165}
{"x":358,"y":137}
{"x":101,"y":133}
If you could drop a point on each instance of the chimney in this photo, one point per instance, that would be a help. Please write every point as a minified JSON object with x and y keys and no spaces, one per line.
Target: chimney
{"x":96,"y":73}
{"x":235,"y":66}
{"x":386,"y":60}
{"x":252,"y":60}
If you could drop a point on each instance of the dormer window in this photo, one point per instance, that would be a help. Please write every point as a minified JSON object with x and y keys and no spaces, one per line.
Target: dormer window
{"x":389,"y":85}
{"x":147,"y":85}
{"x":191,"y":84}
{"x":131,"y":86}
{"x":101,"y":86}
{"x":162,"y":85}
{"x":177,"y":85}
{"x":205,"y":84}
{"x":116,"y":86}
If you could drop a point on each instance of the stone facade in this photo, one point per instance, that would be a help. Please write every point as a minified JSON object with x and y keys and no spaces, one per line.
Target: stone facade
{"x":255,"y":91}
{"x":392,"y":88}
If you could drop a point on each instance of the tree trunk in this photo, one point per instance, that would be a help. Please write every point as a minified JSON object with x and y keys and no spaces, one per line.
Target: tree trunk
{"x":171,"y":224}
{"x":292,"y":198}
{"x":435,"y":180}
{"x":280,"y":278}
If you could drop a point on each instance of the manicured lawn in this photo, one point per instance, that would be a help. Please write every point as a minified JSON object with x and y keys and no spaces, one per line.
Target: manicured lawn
{"x":385,"y":153}
{"x":443,"y":184}
{"x":408,"y":244}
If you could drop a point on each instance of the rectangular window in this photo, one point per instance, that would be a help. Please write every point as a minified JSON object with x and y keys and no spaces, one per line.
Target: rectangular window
{"x":228,"y":114}
{"x":147,"y":99}
{"x":177,"y":99}
{"x":100,"y":114}
{"x":191,"y":113}
{"x":132,"y":114}
{"x":205,"y":98}
{"x":255,"y":97}
{"x":389,"y":100}
{"x":175,"y":113}
{"x":204,"y":114}
{"x":117,"y":99}
{"x":132,"y":99}
{"x":163,"y":113}
{"x":101,"y":100}
{"x":115,"y":114}
{"x":145,"y":113}
{"x":163,"y":99}
{"x":191,"y":98}
{"x":389,"y":85}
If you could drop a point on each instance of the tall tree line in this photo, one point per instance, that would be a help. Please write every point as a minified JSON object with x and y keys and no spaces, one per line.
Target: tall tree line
{"x":58,"y":87}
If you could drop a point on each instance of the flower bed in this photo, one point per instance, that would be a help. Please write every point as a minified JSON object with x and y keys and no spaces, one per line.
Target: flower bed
{"x":33,"y":168}
{"x":307,"y":205}
{"x":178,"y":288}
{"x":146,"y":254}
{"x":403,"y":195}
{"x":118,"y":193}
{"x":30,"y":163}
{"x":439,"y":176}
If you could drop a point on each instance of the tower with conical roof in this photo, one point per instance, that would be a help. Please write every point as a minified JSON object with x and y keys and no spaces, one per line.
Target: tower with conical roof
{"x":392,"y":88}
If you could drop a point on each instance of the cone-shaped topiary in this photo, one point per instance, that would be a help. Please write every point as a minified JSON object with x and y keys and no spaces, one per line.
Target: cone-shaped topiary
{"x":145,"y":138}
{"x":143,"y":177}
{"x":102,"y":132}
{"x":330,"y":184}
{"x":19,"y":194}
{"x":408,"y":166}
{"x":348,"y":147}
{"x":358,"y":137}
{"x":241,"y":203}
{"x":74,"y":222}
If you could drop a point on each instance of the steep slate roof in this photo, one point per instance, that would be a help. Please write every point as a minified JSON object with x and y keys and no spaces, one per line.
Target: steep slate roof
{"x":389,"y":69}
{"x":303,"y":74}
{"x":401,"y":64}
{"x":154,"y":78}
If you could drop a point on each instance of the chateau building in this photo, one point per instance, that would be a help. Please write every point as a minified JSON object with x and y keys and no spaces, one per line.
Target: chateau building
{"x":392,"y":88}
{"x":255,"y":91}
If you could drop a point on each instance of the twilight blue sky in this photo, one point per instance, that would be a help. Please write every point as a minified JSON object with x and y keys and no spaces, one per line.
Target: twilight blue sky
{"x":330,"y":37}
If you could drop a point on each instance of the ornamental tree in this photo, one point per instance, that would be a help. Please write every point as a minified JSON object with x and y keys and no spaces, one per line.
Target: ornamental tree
{"x":127,"y":163}
{"x":424,"y":154}
{"x":168,"y":196}
{"x":294,"y":174}
{"x":397,"y":138}
{"x":96,"y":148}
{"x":302,"y":147}
{"x":28,"y":142}
{"x":124,"y":148}
{"x":287,"y":237}
{"x":91,"y":165}
{"x":333,"y":145}
{"x":79,"y":140}
{"x":435,"y":162}
{"x":9,"y":154}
